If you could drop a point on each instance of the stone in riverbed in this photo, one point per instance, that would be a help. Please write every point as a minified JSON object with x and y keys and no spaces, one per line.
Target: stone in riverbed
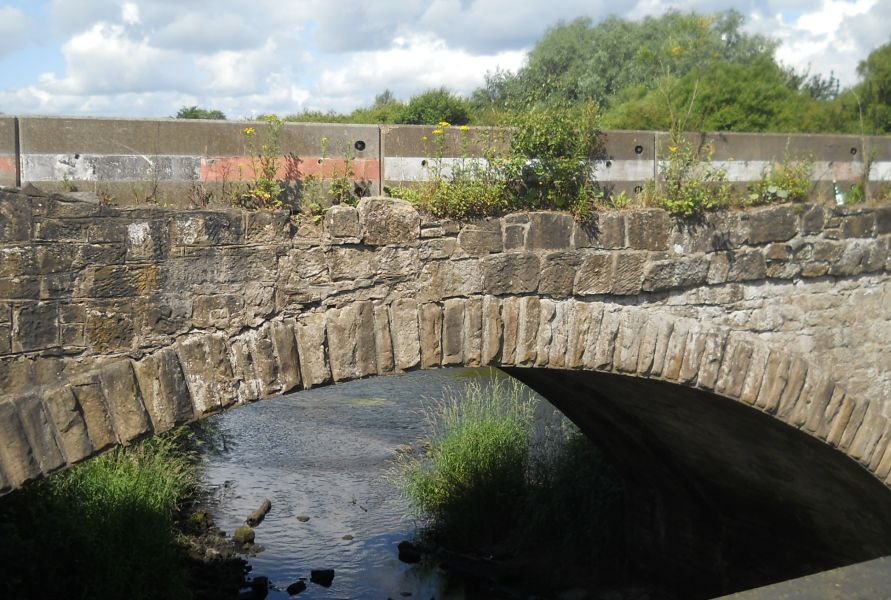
{"x":243,"y":535}
{"x":296,"y":587}
{"x":322,"y":577}
{"x":408,"y":552}
{"x":303,"y":518}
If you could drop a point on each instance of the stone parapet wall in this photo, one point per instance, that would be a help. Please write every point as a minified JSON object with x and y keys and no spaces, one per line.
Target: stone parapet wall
{"x":119,"y":322}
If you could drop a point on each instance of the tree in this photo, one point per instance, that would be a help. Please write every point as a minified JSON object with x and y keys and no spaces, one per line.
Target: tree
{"x":433,"y":106}
{"x":196,"y":112}
{"x":875,"y":89}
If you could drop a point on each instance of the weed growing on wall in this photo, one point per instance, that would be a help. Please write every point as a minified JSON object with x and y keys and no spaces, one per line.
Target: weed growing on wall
{"x":788,"y":181}
{"x":265,"y":190}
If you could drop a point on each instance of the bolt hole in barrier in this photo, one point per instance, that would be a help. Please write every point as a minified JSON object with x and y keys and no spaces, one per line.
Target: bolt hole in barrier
{"x":359,"y":145}
{"x":424,"y":163}
{"x":638,"y":149}
{"x":853,"y":151}
{"x":638,"y":189}
{"x":609,"y":163}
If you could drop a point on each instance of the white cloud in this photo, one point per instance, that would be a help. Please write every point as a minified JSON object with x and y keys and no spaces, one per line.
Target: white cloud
{"x":199,"y":33}
{"x":13,"y":25}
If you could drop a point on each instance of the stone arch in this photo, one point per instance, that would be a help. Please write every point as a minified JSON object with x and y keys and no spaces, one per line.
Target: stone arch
{"x":120,"y":400}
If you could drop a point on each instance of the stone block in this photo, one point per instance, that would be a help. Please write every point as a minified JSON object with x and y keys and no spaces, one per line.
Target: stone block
{"x":851,"y":425}
{"x":128,"y":415}
{"x":718,"y":268}
{"x":109,"y":328}
{"x":219,"y":311}
{"x":492,"y":329}
{"x":221,"y":369}
{"x":815,"y":398}
{"x":595,"y":323}
{"x":481,"y":238}
{"x":311,"y":328}
{"x":604,"y":230}
{"x":710,"y":365}
{"x":628,"y":272}
{"x":883,"y":220}
{"x":628,"y":340}
{"x":858,"y":225}
{"x":351,"y":346}
{"x":544,"y":334}
{"x":564,"y":313}
{"x":669,"y":366}
{"x":147,"y":240}
{"x":405,"y":333}
{"x":17,"y":460}
{"x":734,"y":367}
{"x":246,"y":381}
{"x":776,"y":373}
{"x":430,"y":328}
{"x":755,"y":375}
{"x":514,"y":236}
{"x":342,"y":222}
{"x":653,"y":341}
{"x":207,"y":228}
{"x":473,"y":331}
{"x":830,"y":420}
{"x":747,"y":266}
{"x":163,"y":389}
{"x":676,"y":273}
{"x":40,"y":433}
{"x":549,"y":231}
{"x":648,"y":229}
{"x":96,"y":415}
{"x":195,"y":359}
{"x":383,"y":340}
{"x":771,"y":224}
{"x":61,"y":407}
{"x":852,"y":259}
{"x":558,"y":271}
{"x":437,"y":249}
{"x":605,"y":347}
{"x":693,"y":351}
{"x":595,"y":275}
{"x":453,"y":332}
{"x":388,"y":221}
{"x":15,"y":218}
{"x":529,"y":311}
{"x":577,"y":335}
{"x":285,"y":344}
{"x":869,"y":432}
{"x":36,"y":327}
{"x":510,"y":273}
{"x":510,"y":318}
{"x":266,"y":227}
{"x":813,"y":219}
{"x":449,"y":278}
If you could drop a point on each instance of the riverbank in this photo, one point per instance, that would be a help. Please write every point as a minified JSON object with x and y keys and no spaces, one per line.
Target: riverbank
{"x":125,"y":525}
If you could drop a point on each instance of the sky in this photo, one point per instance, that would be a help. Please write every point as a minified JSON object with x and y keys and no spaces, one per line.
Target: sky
{"x":148,"y":58}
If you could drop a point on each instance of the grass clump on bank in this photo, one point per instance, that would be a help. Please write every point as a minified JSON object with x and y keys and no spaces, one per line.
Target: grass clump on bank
{"x":497,"y":478}
{"x":103,"y":529}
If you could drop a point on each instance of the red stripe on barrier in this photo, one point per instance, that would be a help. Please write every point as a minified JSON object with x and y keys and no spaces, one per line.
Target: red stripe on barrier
{"x":289,"y":168}
{"x":8,"y":166}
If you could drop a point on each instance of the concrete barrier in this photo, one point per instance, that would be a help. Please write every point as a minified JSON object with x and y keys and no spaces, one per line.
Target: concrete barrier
{"x":135,"y":161}
{"x":8,"y":152}
{"x":182,"y":162}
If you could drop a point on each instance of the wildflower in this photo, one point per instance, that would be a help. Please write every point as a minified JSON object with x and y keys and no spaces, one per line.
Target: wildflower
{"x":672,"y":149}
{"x":437,"y":132}
{"x":423,"y":138}
{"x":676,"y":50}
{"x":443,"y":123}
{"x":249,"y":131}
{"x":464,"y":128}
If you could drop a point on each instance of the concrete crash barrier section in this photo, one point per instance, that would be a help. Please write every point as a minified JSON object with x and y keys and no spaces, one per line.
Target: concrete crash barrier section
{"x":746,"y":157}
{"x":164,"y":161}
{"x":9,"y":163}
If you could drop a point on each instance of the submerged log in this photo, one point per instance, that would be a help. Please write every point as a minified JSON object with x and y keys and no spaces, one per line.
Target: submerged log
{"x":258,"y":515}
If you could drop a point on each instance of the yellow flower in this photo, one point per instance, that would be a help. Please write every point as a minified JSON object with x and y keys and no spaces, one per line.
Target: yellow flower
{"x":423,"y":138}
{"x":464,"y":128}
{"x":249,"y":131}
{"x":672,"y":149}
{"x":443,"y":123}
{"x":437,"y":132}
{"x":676,"y":50}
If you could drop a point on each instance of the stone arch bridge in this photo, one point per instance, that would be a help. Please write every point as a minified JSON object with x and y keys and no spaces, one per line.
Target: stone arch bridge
{"x":737,"y":370}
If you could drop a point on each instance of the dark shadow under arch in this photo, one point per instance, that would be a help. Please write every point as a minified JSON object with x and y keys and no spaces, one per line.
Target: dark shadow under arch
{"x":721,"y":497}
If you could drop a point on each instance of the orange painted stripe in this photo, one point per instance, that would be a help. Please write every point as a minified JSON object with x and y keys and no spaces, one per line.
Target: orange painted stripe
{"x":235,"y":168}
{"x":8,"y":166}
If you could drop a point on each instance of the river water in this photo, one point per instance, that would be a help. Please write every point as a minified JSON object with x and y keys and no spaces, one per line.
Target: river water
{"x":327,"y":454}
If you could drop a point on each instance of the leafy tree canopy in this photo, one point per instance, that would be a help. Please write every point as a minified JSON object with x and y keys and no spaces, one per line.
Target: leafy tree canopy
{"x":196,"y":112}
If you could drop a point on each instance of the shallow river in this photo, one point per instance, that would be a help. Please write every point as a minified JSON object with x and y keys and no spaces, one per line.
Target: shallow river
{"x":326,"y":454}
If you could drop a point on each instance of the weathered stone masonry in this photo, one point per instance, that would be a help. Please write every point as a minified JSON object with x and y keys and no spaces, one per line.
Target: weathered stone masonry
{"x":116,"y":323}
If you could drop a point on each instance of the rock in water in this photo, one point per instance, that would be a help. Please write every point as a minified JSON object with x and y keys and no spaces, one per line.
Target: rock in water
{"x":408,"y":552}
{"x":258,"y":515}
{"x":296,"y":587}
{"x":322,"y":577}
{"x":243,"y":535}
{"x":303,"y":518}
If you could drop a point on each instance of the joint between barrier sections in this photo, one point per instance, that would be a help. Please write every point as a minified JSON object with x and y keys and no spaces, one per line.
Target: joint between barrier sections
{"x":18,"y":151}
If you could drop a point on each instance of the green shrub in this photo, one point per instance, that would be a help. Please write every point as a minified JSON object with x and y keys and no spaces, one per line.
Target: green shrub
{"x":433,"y":106}
{"x":103,"y":529}
{"x":473,"y":486}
